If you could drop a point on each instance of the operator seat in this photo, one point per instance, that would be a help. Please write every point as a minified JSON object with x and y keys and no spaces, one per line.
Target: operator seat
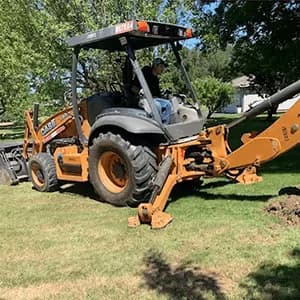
{"x":100,"y":101}
{"x":127,"y":76}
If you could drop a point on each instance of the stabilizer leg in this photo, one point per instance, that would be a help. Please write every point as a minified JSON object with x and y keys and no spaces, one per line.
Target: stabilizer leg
{"x":152,"y":213}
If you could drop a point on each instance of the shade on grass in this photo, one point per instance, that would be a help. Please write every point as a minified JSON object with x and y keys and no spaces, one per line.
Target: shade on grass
{"x":221,"y":244}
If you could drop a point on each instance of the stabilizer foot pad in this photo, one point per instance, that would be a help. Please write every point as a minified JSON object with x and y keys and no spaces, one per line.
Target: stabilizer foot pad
{"x":160,"y":220}
{"x":134,"y":222}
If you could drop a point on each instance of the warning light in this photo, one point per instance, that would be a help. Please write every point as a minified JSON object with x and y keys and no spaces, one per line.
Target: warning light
{"x":189,"y":33}
{"x":143,"y":26}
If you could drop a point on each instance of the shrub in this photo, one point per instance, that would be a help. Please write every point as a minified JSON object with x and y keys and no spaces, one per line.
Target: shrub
{"x":213,"y":93}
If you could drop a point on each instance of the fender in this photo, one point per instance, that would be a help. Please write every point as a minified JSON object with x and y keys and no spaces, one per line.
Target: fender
{"x":131,"y":120}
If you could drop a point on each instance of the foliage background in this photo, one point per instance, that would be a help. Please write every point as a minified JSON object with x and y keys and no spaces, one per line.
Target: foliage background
{"x":260,"y":38}
{"x":35,"y":61}
{"x":265,"y":36}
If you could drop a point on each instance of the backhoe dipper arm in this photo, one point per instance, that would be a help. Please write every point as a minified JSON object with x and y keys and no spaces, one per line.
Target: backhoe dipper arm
{"x":209,"y":154}
{"x":280,"y":137}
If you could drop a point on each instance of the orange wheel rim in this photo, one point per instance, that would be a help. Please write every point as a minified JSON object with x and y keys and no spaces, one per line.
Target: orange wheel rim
{"x":37,"y":174}
{"x":112,"y":172}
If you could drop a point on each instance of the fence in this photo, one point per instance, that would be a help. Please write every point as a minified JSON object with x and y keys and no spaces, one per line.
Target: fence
{"x":11,"y":131}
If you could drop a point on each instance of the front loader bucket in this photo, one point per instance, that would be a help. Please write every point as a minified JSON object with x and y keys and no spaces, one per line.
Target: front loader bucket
{"x":13,"y":167}
{"x":5,"y":178}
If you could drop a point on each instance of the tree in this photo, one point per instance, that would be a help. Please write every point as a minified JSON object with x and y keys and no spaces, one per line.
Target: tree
{"x":199,"y":65}
{"x":213,"y":93}
{"x":265,"y":36}
{"x":35,"y":61}
{"x":27,"y":55}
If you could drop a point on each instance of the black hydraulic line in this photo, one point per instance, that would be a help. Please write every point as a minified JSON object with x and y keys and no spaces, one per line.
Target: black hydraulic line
{"x":277,"y":98}
{"x":236,"y":122}
{"x":83,"y":140}
{"x":161,"y":177}
{"x":186,"y":77}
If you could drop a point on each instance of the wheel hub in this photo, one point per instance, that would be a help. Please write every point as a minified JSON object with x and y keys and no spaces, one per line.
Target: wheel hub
{"x":118,"y":170}
{"x":112,"y":172}
{"x":37,"y":174}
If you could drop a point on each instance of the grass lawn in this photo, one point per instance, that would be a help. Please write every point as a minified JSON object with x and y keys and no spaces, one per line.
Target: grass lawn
{"x":221,"y":244}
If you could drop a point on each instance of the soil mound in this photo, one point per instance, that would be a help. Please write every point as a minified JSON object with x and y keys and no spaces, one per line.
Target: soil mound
{"x":287,"y":209}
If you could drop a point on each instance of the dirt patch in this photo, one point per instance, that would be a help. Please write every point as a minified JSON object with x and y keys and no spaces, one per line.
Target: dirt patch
{"x":288,"y":209}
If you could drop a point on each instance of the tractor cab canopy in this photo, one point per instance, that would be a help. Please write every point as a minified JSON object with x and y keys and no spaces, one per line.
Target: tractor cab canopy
{"x":128,"y":37}
{"x":141,"y":34}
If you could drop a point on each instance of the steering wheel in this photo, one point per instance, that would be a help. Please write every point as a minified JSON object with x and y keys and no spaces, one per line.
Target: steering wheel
{"x":183,"y":98}
{"x":115,"y":86}
{"x":166,"y":94}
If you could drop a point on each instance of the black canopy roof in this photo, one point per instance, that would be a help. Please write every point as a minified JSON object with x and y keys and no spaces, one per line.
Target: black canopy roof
{"x":141,"y":34}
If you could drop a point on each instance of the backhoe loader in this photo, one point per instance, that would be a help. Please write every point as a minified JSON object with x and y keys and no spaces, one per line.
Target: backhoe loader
{"x":121,"y":146}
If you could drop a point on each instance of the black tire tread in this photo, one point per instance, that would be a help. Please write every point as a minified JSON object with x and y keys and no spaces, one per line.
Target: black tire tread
{"x":143,"y":162}
{"x":47,"y":163}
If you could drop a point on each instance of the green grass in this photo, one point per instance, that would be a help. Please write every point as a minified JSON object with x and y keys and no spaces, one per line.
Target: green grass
{"x":221,"y":244}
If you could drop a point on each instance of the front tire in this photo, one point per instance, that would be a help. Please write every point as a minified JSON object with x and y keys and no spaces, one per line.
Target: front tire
{"x":42,"y":172}
{"x":120,"y":172}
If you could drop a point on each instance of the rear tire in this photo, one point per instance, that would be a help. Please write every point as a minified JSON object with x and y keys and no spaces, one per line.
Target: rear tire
{"x":120,"y":172}
{"x":42,"y":172}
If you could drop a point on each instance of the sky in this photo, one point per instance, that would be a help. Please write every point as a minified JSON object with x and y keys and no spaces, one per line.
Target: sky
{"x":209,"y":8}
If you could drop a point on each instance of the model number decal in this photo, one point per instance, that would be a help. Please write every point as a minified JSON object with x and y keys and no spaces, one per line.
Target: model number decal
{"x":49,"y":126}
{"x":53,"y":134}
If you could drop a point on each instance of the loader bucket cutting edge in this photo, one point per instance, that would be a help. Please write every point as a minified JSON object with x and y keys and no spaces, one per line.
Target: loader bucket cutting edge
{"x":5,"y":178}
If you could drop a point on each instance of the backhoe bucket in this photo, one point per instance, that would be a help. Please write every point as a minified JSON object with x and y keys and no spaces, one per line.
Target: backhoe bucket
{"x":13,"y":167}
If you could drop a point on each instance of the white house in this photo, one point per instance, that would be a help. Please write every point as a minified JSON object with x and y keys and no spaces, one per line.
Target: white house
{"x":246,"y":97}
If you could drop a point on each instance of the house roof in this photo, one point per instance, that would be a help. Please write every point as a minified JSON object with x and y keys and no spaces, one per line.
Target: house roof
{"x":241,"y":82}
